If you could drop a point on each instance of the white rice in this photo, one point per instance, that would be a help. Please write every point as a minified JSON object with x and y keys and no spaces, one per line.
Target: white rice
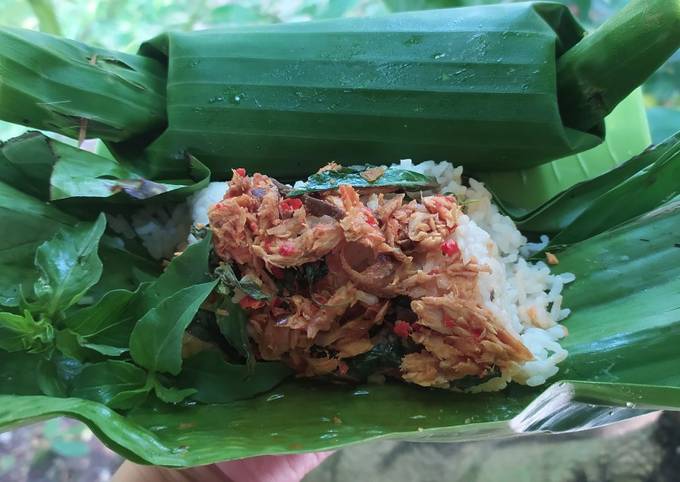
{"x":160,"y":229}
{"x":524,"y":296}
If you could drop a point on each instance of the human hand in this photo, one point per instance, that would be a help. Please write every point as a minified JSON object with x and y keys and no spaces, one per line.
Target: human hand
{"x":268,"y":468}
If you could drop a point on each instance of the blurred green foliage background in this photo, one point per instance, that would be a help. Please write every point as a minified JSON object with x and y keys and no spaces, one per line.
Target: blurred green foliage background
{"x":123,"y":24}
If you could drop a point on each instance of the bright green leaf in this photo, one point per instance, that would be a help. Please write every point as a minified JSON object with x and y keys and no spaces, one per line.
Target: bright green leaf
{"x":188,"y":269}
{"x":28,"y":222}
{"x":171,"y":395}
{"x":103,"y":382}
{"x":23,"y":333}
{"x":69,"y":265}
{"x":156,"y":341}
{"x":106,"y":326}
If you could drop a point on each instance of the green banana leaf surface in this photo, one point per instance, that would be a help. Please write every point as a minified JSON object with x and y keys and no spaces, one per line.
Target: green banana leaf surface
{"x":479,"y":81}
{"x":623,"y":336}
{"x":590,"y":207}
{"x":500,"y":87}
{"x":61,"y":85}
{"x":56,"y":171}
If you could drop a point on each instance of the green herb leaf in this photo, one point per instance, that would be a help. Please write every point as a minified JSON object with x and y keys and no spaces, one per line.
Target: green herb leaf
{"x":226,"y":274}
{"x":217,"y":381}
{"x":55,"y":375}
{"x":352,"y":176}
{"x":68,"y":266}
{"x":106,"y":326}
{"x":156,"y":340}
{"x":233,"y":327}
{"x":385,"y":355}
{"x":69,"y":343}
{"x":171,"y":394}
{"x":188,"y":269}
{"x":29,"y":223}
{"x":302,"y":277}
{"x":114,"y":383}
{"x":106,"y":350}
{"x":49,"y":381}
{"x":23,"y":333}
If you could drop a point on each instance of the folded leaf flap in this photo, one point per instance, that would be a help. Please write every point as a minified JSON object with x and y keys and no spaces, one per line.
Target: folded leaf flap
{"x":478,"y":82}
{"x":56,"y":84}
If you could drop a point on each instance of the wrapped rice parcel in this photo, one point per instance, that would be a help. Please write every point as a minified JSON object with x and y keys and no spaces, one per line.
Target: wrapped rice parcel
{"x":499,"y":87}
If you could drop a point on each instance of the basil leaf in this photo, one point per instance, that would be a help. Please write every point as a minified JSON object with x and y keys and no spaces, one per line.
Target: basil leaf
{"x":232,"y":321}
{"x":69,"y":265}
{"x":352,"y":176}
{"x":106,"y":350}
{"x":55,"y":375}
{"x":227,"y":276}
{"x":110,"y":382}
{"x":171,"y":394}
{"x":106,"y":326}
{"x":129,"y":398}
{"x":188,"y":269}
{"x":23,"y":333}
{"x":156,"y":340}
{"x":122,"y":270}
{"x":385,"y":355}
{"x":69,"y":343}
{"x":49,"y":381}
{"x":217,"y":381}
{"x":27,"y":223}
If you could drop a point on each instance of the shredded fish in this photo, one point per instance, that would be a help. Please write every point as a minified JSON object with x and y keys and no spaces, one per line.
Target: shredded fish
{"x":396,"y":249}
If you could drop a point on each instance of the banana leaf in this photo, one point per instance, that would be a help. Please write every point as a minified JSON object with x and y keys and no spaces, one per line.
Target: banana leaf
{"x":61,"y":85}
{"x":419,"y":84}
{"x":494,"y":87}
{"x":53,"y":171}
{"x":608,"y":200}
{"x":623,"y":338}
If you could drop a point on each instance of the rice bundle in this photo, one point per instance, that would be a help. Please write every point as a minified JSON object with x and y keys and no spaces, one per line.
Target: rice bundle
{"x":429,"y":287}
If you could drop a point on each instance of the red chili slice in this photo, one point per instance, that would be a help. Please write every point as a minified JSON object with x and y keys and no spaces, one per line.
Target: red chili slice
{"x":402,"y":329}
{"x":287,"y":249}
{"x":290,"y":204}
{"x":250,"y":303}
{"x":450,"y":248}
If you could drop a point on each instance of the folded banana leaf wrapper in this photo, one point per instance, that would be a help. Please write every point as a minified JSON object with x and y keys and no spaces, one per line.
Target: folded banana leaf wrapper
{"x":116,"y":363}
{"x":495,"y":87}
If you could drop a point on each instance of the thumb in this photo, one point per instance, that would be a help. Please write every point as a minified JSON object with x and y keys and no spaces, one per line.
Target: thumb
{"x":272,"y":468}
